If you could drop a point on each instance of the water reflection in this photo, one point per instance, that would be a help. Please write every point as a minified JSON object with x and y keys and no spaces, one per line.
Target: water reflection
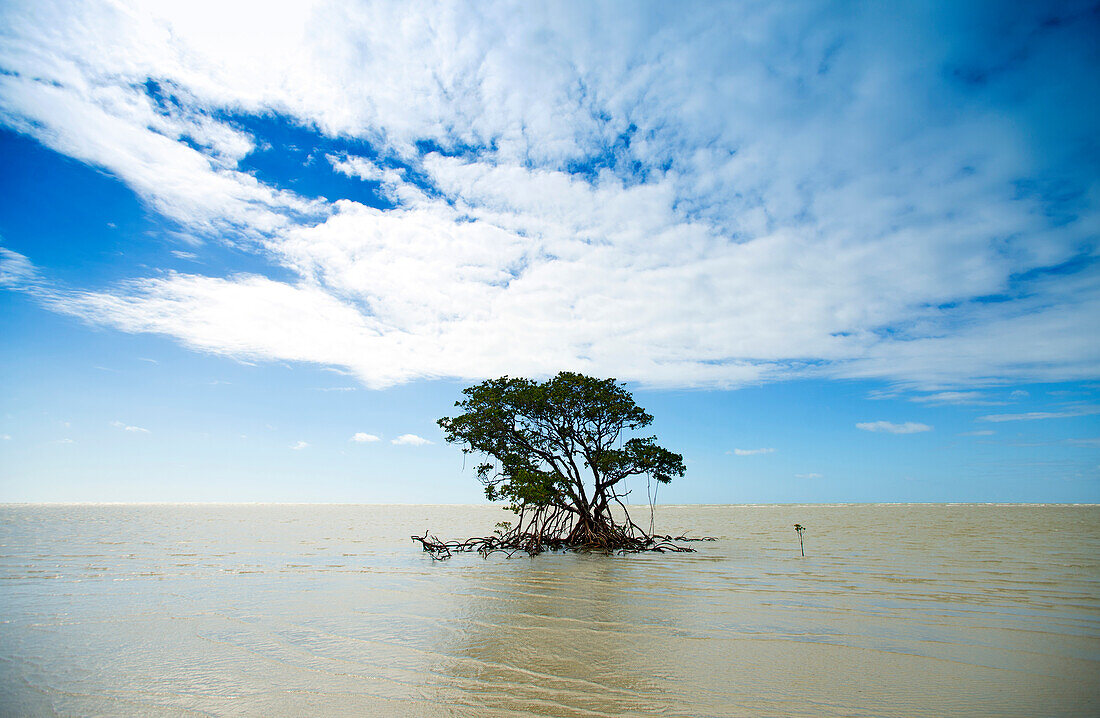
{"x":557,"y":635}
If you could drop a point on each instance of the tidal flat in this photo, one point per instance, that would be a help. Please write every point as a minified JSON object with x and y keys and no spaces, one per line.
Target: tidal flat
{"x":292,"y":610}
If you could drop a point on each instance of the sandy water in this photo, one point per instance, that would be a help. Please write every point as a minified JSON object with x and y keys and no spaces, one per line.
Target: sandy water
{"x":283,"y":610}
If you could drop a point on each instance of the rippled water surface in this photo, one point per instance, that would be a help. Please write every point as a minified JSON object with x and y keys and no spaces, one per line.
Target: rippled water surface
{"x":281,"y":610}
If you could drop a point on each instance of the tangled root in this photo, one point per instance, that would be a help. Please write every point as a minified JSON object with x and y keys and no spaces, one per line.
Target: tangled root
{"x":556,"y":531}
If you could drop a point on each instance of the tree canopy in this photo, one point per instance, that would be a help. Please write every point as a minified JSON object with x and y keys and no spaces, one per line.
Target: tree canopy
{"x":554,"y":451}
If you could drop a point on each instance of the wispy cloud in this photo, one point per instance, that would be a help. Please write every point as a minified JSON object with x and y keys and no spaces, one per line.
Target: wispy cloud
{"x":973,"y":398}
{"x":62,"y":441}
{"x":16,"y":271}
{"x":131,"y":429}
{"x":410,"y":440}
{"x":1036,"y":415}
{"x":299,"y":445}
{"x":889,"y":427}
{"x":180,"y":254}
{"x":1095,"y":442}
{"x":5,"y":437}
{"x":751,"y":452}
{"x":360,"y":437}
{"x":807,"y":476}
{"x":982,"y":432}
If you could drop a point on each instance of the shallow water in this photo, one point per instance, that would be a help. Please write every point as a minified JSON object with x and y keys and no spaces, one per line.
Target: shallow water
{"x":283,"y":610}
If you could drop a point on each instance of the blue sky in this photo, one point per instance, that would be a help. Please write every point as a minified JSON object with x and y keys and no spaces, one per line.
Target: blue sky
{"x":842,"y":252}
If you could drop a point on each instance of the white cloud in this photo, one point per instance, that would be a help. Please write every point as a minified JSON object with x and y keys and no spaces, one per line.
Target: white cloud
{"x":909,"y":427}
{"x":180,"y":254}
{"x":118,"y":128}
{"x":63,"y":441}
{"x":1036,"y":415}
{"x":1019,"y":394}
{"x":973,"y":398}
{"x":131,"y":429}
{"x":16,"y":271}
{"x":725,"y":170}
{"x":5,"y":437}
{"x":807,"y":476}
{"x":752,"y":452}
{"x":251,"y":317}
{"x":982,"y":432}
{"x":299,"y":445}
{"x":410,"y":440}
{"x":363,"y":438}
{"x":360,"y":167}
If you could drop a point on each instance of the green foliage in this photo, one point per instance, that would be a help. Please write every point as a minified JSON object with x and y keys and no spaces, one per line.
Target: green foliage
{"x":553,"y":443}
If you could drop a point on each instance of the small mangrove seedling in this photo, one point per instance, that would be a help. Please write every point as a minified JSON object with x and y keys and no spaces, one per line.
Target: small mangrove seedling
{"x":800,"y":528}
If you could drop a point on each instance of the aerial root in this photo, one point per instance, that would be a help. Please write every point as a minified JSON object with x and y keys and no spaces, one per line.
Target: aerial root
{"x":551,"y":533}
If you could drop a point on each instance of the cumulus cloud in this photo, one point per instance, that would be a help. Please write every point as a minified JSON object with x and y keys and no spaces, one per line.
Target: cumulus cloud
{"x":360,"y":437}
{"x":409,"y":440}
{"x":638,"y":203}
{"x":360,"y":167}
{"x":889,"y":427}
{"x":752,"y":452}
{"x":131,"y":429}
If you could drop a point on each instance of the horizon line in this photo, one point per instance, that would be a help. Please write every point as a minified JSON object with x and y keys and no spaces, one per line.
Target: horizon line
{"x":5,"y":504}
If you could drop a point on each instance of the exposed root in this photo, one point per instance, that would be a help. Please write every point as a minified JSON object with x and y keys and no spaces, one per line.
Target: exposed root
{"x":559,"y":530}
